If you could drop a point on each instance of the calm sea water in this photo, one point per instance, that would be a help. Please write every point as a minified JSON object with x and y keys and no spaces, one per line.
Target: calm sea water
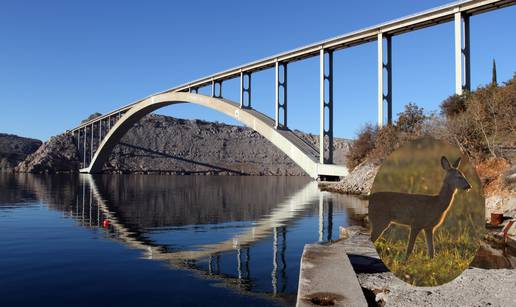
{"x":130,"y":240}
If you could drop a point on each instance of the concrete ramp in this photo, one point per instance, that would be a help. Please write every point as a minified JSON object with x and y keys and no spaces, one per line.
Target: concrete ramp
{"x":326,"y":278}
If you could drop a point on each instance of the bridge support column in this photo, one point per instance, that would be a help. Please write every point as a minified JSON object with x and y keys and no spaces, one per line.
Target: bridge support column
{"x":91,"y":147}
{"x":384,"y":77}
{"x":462,"y":59}
{"x":326,"y":104}
{"x":100,"y":132}
{"x":216,"y":89}
{"x":84,"y":147}
{"x":281,"y":95}
{"x":245,"y":90}
{"x":79,"y":142}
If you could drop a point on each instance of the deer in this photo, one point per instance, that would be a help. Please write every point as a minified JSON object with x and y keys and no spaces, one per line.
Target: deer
{"x":417,"y":211}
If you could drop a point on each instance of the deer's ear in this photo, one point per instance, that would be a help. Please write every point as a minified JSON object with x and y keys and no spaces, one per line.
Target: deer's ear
{"x":456,"y":163}
{"x":445,"y":163}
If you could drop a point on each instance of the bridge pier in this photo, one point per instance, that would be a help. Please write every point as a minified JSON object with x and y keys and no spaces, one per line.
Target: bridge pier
{"x":100,"y":131}
{"x":384,"y":76}
{"x":281,"y":95}
{"x":326,"y":104}
{"x":462,"y":58}
{"x":245,"y":90}
{"x":216,"y":88}
{"x":78,"y":138}
{"x":91,"y":146}
{"x":84,"y":149}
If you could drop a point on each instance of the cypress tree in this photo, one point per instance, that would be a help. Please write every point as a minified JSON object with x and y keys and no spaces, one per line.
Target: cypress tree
{"x":493,"y":78}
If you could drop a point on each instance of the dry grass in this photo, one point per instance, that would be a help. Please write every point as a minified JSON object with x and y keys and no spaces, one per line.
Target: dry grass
{"x":490,"y":172}
{"x":453,"y":254}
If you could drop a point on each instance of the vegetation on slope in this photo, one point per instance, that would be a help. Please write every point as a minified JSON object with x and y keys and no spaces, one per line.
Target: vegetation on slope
{"x":481,"y":123}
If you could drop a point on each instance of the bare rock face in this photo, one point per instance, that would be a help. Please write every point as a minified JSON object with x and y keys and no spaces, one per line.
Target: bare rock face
{"x":59,"y":154}
{"x":359,"y":182}
{"x":14,"y":149}
{"x":163,"y":144}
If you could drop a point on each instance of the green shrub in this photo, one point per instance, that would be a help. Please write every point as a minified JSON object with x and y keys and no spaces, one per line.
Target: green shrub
{"x":411,"y":119}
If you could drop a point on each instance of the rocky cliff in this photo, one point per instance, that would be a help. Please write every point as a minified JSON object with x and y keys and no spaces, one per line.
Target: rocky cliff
{"x":57,"y":155}
{"x":359,"y":181}
{"x":162,"y":144}
{"x":14,"y":149}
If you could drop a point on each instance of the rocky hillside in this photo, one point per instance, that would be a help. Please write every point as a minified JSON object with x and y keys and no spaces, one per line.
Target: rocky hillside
{"x":162,"y":144}
{"x":57,"y":155}
{"x":14,"y":149}
{"x":359,"y":181}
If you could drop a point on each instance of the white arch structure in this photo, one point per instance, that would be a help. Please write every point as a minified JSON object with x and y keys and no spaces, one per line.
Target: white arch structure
{"x":302,"y":153}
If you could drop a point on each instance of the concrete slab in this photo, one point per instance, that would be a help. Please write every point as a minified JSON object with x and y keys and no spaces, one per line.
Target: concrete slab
{"x":327,"y":278}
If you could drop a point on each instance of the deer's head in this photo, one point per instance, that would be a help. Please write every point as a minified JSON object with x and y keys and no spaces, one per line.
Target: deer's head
{"x":454,"y":176}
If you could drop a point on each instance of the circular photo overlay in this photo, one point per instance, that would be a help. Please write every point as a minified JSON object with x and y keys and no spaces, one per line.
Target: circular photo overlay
{"x":426,"y":212}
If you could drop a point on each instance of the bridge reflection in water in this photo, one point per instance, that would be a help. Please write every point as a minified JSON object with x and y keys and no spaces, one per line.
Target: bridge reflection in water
{"x":228,"y":260}
{"x":247,"y":233}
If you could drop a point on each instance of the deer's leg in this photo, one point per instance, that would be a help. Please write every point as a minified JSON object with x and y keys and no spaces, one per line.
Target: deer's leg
{"x":412,"y":238}
{"x":429,"y":235}
{"x":377,"y":230}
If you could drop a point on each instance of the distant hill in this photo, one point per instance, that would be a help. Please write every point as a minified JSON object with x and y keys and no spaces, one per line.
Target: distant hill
{"x":14,"y":149}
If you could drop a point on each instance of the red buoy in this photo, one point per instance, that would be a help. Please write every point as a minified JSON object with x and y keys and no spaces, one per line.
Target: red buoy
{"x":105,"y":224}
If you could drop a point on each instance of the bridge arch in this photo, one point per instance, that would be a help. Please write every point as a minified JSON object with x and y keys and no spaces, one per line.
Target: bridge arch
{"x":302,"y":153}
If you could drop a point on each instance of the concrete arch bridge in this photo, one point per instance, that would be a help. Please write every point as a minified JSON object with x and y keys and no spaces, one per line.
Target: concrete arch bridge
{"x":97,"y":137}
{"x":101,"y":144}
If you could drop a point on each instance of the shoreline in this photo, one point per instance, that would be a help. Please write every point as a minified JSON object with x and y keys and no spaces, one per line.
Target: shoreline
{"x":484,"y":286}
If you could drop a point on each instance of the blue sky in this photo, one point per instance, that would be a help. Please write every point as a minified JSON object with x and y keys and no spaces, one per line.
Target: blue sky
{"x":63,"y":60}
